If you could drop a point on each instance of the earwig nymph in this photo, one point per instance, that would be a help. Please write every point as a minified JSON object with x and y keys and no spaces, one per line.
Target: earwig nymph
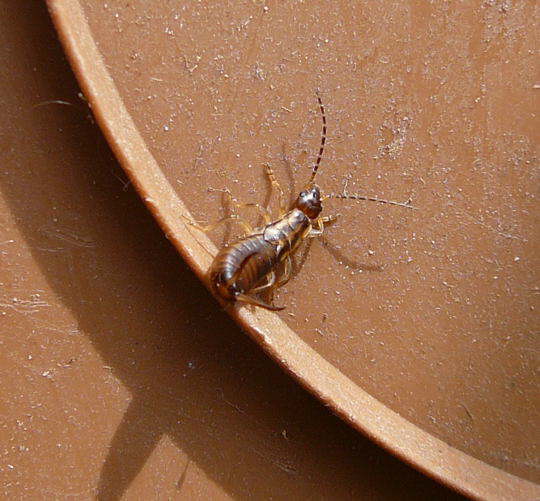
{"x":250,"y":265}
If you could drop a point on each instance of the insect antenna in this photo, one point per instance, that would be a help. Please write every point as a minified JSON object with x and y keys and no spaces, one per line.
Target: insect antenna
{"x":323,"y":140}
{"x":358,"y":196}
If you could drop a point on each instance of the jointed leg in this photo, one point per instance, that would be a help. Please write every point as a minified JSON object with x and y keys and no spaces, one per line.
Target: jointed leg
{"x":262,"y":210}
{"x":228,"y":219}
{"x":286,"y":273}
{"x":244,"y":298}
{"x":272,"y":285}
{"x":267,"y":285}
{"x":320,"y":222}
{"x":265,"y":214}
{"x":328,"y":219}
{"x":257,"y":302}
{"x":275,"y":185}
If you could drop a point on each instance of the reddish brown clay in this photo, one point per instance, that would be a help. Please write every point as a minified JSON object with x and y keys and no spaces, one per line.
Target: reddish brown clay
{"x":418,"y":328}
{"x":119,"y":375}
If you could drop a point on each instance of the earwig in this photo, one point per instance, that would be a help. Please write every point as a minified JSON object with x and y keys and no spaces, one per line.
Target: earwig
{"x":250,"y":266}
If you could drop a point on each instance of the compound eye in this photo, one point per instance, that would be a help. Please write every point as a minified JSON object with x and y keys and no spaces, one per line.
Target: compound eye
{"x":303,"y":194}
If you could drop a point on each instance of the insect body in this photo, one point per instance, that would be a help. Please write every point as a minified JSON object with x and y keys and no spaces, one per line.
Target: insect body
{"x":239,"y":268}
{"x":250,"y":265}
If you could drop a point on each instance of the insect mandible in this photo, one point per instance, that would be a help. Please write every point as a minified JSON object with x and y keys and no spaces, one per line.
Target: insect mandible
{"x":249,"y":266}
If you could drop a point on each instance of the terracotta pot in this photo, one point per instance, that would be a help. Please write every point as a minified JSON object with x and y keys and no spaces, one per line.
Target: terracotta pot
{"x":415,"y":327}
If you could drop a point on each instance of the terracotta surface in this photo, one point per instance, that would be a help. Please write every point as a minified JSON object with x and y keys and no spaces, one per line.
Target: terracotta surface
{"x":119,"y":373}
{"x":431,"y":103}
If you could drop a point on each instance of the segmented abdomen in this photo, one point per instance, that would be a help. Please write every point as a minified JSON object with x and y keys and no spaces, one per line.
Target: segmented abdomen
{"x":246,"y":262}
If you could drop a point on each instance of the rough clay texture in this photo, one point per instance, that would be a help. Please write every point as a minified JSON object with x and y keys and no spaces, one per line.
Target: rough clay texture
{"x":433,"y":312}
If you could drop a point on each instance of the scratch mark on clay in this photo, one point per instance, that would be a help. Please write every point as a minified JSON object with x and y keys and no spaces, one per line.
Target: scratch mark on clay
{"x":495,"y":230}
{"x":182,"y":478}
{"x":467,"y":411}
{"x":25,"y":305}
{"x":228,"y":402}
{"x":286,"y":467}
{"x":394,"y":148}
{"x":68,"y":236}
{"x":53,"y":101}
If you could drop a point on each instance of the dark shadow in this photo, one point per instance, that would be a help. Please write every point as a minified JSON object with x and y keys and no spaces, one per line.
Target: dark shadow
{"x":300,"y":258}
{"x":345,"y":260}
{"x":192,"y":374}
{"x":303,"y":253}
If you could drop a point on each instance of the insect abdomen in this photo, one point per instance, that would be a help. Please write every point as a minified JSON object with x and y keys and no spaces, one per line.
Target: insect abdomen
{"x":242,"y":266}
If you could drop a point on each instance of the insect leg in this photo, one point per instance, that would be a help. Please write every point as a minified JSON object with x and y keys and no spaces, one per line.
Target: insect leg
{"x":286,"y":273}
{"x":320,"y":225}
{"x":270,"y":283}
{"x":228,"y":219}
{"x":265,"y":214}
{"x":275,"y":185}
{"x":244,"y":298}
{"x":262,"y":210}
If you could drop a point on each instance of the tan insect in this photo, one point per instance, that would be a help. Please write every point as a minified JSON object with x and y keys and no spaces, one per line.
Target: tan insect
{"x":250,"y":265}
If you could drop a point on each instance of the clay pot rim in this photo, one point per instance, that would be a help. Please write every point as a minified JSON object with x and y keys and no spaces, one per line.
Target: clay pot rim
{"x":410,"y":443}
